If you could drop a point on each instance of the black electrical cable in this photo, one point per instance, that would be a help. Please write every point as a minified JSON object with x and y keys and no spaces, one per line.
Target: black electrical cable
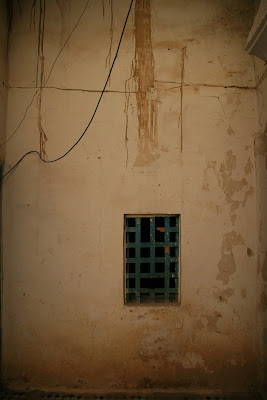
{"x":50,"y":72}
{"x":75,"y":144}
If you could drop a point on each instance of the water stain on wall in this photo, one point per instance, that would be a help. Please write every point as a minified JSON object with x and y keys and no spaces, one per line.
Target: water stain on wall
{"x":40,"y":78}
{"x":146,"y":96}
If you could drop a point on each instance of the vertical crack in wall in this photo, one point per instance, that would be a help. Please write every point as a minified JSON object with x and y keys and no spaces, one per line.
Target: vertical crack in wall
{"x":146,"y":95}
{"x":40,"y":74}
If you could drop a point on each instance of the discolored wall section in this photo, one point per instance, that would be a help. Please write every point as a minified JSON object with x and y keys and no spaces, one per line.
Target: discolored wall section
{"x":174,"y":133}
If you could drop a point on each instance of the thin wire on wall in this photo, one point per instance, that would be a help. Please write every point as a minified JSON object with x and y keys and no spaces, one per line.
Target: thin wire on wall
{"x":50,"y":72}
{"x":95,"y":110}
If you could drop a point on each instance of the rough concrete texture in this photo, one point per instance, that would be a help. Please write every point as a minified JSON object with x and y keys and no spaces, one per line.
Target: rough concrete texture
{"x":174,"y":133}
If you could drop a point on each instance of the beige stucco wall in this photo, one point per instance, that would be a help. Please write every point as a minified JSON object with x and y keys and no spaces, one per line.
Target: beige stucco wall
{"x":174,"y":134}
{"x":261,"y":176}
{"x":3,"y":74}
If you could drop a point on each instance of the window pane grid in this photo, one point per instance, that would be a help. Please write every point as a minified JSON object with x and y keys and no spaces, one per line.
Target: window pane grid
{"x":156,"y":244}
{"x":137,"y":258}
{"x":148,"y":259}
{"x":151,"y":259}
{"x":160,"y":290}
{"x":167,"y":257}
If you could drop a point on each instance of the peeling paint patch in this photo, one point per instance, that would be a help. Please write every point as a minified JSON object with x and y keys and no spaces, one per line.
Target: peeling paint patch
{"x":236,"y":191}
{"x":224,"y":295}
{"x":210,"y":165}
{"x":227,"y":265}
{"x":231,"y":186}
{"x":227,"y":183}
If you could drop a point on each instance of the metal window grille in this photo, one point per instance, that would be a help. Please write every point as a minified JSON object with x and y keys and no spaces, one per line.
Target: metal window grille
{"x":151,"y":258}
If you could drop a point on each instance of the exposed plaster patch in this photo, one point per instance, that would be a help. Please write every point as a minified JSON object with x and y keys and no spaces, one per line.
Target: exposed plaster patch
{"x":210,"y":165}
{"x":227,"y":265}
{"x":232,"y":188}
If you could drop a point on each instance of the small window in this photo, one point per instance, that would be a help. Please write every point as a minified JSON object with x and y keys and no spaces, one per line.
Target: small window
{"x":151,"y":258}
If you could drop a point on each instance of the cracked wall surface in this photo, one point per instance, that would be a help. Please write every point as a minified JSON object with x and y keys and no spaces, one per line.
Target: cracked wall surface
{"x":178,"y":131}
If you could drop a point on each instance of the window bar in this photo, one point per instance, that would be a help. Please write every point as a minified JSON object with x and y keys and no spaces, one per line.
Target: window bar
{"x":137,"y":259}
{"x":167,"y":258}
{"x":152,"y":253}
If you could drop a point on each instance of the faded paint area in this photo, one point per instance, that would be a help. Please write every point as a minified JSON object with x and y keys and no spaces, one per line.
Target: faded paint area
{"x":229,"y":185}
{"x":175,"y":134}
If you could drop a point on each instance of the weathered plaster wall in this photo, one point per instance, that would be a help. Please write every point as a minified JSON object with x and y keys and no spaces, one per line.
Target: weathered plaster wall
{"x":3,"y":111}
{"x":261,"y":176}
{"x":174,"y":134}
{"x":3,"y":73}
